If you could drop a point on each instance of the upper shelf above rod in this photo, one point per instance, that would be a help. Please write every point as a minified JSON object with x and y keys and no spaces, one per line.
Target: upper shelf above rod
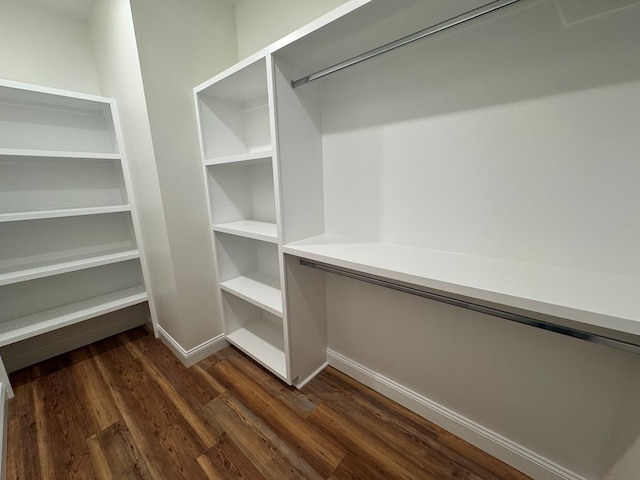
{"x":426,"y":32}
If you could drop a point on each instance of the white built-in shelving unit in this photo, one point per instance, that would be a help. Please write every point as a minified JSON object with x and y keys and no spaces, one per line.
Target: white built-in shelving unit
{"x":68,"y":248}
{"x":420,"y":168}
{"x":236,"y":119}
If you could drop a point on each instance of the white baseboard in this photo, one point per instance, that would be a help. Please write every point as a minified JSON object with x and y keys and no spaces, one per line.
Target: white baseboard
{"x":194,"y":355}
{"x":491,"y":442}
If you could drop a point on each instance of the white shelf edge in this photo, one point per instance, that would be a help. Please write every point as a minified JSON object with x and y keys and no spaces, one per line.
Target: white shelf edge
{"x":241,"y":157}
{"x":17,"y":152}
{"x":270,"y":356}
{"x":63,"y":212}
{"x":15,"y":330}
{"x":31,"y":87}
{"x":587,"y":308}
{"x":266,"y":232}
{"x":254,"y":289}
{"x":66,"y":267}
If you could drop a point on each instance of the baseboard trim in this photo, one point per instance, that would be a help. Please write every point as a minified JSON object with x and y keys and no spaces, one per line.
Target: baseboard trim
{"x":194,"y":355}
{"x":513,"y":454}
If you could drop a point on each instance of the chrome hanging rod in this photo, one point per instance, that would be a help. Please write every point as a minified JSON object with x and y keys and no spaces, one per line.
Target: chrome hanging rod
{"x":452,"y":22}
{"x":514,"y":317}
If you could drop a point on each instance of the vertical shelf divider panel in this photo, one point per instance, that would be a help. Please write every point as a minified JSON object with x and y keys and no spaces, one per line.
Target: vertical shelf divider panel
{"x":68,"y":248}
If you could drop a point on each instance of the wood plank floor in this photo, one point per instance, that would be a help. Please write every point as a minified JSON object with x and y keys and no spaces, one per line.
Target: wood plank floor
{"x":125,"y":408}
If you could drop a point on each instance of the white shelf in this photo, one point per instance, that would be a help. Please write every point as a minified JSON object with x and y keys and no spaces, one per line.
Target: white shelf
{"x":25,"y":327}
{"x":241,"y":157}
{"x":264,"y":342}
{"x":59,"y":213}
{"x":67,"y":266}
{"x":601,"y":300}
{"x":18,"y":152}
{"x":258,"y":288}
{"x":267,"y":232}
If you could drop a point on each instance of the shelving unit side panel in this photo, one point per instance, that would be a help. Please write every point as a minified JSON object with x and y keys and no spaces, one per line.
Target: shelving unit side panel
{"x":307,"y":318}
{"x":257,"y":126}
{"x":299,"y":156}
{"x":263,"y":195}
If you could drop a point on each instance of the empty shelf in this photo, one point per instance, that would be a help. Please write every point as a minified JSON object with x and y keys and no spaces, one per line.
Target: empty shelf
{"x":267,"y":232}
{"x":264,"y":342}
{"x":70,"y":265}
{"x":258,"y":288}
{"x":64,"y":212}
{"x":22,"y":328}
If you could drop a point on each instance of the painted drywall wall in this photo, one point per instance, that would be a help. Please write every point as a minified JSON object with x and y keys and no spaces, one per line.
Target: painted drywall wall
{"x":181,"y":44}
{"x":628,"y":466}
{"x":261,"y":23}
{"x":42,"y":46}
{"x":111,"y":28}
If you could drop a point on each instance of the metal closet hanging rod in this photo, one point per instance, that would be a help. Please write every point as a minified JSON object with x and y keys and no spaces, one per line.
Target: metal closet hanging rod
{"x":426,"y":32}
{"x":495,"y":312}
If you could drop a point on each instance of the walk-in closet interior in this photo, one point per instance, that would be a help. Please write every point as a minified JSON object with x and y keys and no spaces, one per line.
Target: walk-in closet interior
{"x":436,"y":198}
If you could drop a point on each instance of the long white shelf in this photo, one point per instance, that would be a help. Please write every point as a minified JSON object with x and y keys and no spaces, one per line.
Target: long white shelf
{"x":264,"y":342}
{"x":18,"y":152}
{"x":267,"y":232}
{"x":591,"y":298}
{"x":257,"y":288}
{"x":241,"y":157}
{"x":26,"y":327}
{"x":23,"y":275}
{"x":63,"y":212}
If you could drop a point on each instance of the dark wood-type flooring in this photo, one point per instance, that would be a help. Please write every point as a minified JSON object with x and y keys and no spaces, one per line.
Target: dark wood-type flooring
{"x":126,"y":408}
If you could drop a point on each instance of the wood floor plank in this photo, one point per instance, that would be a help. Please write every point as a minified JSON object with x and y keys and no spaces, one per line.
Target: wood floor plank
{"x":267,"y":451}
{"x":290,"y":396}
{"x":189,"y":407}
{"x":23,"y":460}
{"x":310,"y":443}
{"x":225,"y":461}
{"x":201,"y":387}
{"x":63,"y":424}
{"x":167,"y":442}
{"x":125,"y":408}
{"x":96,"y":393}
{"x":115,"y":455}
{"x":405,"y":445}
{"x":356,"y":439}
{"x":463,"y":457}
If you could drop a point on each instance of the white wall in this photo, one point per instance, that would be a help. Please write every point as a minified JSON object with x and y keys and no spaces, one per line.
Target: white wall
{"x":111,"y":27}
{"x":260,"y":23}
{"x":181,"y":44}
{"x":41,"y":46}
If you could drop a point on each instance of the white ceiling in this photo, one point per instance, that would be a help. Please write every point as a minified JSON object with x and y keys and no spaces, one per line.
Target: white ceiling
{"x":80,"y":9}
